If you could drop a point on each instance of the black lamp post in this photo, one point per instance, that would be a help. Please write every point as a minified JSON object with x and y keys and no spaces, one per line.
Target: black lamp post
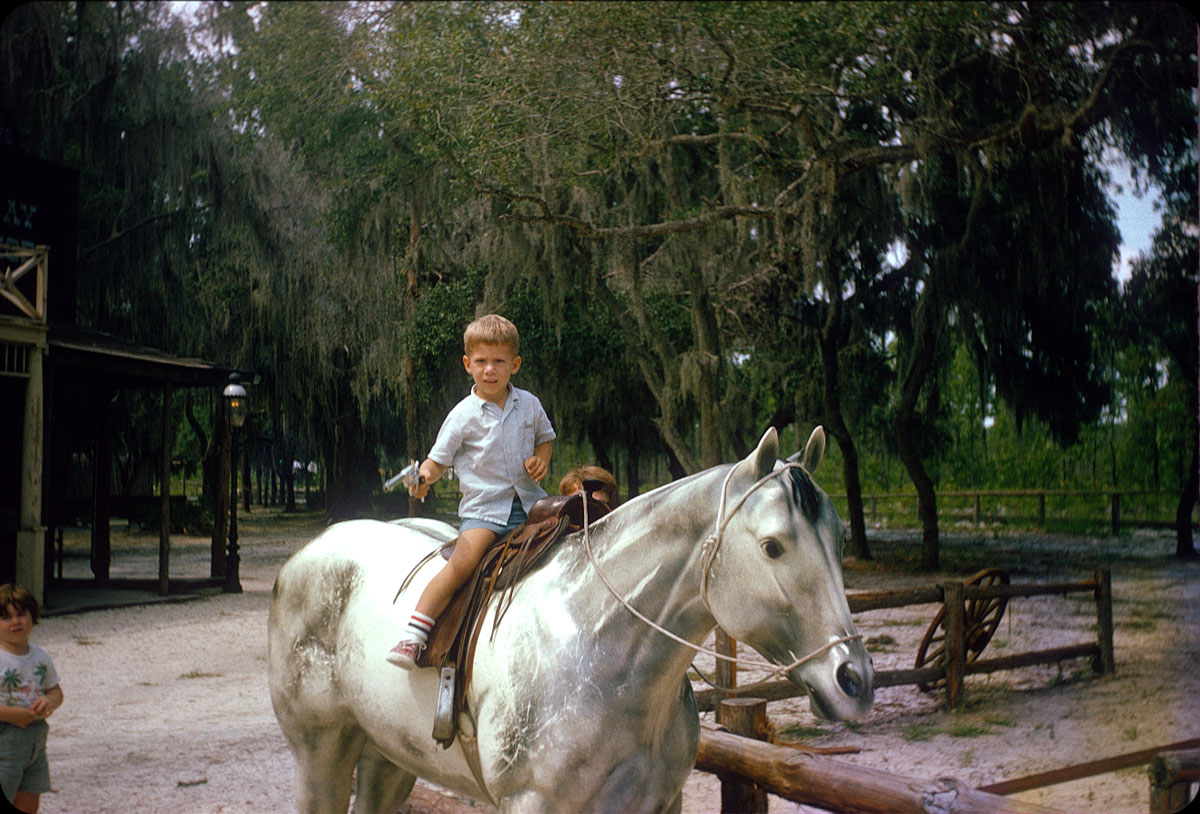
{"x":235,"y":411}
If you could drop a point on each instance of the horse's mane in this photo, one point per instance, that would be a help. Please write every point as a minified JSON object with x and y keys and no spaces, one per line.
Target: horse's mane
{"x":804,"y":492}
{"x":803,"y":489}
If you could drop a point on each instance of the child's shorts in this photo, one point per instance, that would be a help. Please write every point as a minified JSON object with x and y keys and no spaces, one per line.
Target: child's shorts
{"x":515,"y":518}
{"x":23,"y":764}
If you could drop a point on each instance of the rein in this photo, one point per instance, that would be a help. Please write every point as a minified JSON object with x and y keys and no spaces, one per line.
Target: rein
{"x":711,"y":545}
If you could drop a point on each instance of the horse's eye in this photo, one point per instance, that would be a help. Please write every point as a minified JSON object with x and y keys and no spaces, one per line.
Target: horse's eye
{"x":772,"y":548}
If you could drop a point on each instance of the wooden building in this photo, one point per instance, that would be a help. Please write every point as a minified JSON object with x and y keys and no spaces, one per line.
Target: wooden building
{"x":58,"y":380}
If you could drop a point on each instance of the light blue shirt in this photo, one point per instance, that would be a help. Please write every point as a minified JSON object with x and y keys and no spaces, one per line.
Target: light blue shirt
{"x":487,"y":447}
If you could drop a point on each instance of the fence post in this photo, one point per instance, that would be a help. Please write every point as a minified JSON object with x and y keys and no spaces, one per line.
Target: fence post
{"x":725,"y":672}
{"x":1171,"y":778}
{"x":1042,"y":510}
{"x":978,"y":513}
{"x":1105,"y":663}
{"x":746,"y":717}
{"x":1116,"y":513}
{"x":955,"y":644}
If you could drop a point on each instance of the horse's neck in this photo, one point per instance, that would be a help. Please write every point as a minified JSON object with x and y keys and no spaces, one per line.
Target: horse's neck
{"x":649,"y":550}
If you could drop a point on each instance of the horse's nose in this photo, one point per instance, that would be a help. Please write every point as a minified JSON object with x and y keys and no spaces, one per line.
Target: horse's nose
{"x":849,"y":679}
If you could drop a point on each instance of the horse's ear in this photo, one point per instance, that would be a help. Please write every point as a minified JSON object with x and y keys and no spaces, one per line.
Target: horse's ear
{"x":765,"y":454}
{"x":814,"y":451}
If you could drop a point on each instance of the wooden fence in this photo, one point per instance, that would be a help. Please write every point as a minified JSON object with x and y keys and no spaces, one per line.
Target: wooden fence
{"x":1129,"y":507}
{"x":1172,"y":775}
{"x":953,"y":595}
{"x":750,"y":769}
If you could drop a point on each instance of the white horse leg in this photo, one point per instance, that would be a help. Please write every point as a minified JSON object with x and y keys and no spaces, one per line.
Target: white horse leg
{"x":325,"y":760}
{"x":381,"y":785}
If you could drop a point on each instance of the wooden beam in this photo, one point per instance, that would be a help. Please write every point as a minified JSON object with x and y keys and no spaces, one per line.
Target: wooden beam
{"x":1081,"y":770}
{"x":839,"y":786}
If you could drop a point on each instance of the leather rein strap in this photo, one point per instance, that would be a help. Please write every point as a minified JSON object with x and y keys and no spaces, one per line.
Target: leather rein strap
{"x":711,"y":546}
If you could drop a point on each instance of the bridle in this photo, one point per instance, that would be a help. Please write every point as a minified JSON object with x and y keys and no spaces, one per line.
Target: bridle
{"x":711,"y":546}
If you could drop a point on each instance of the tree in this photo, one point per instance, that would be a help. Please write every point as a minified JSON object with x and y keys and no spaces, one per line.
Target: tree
{"x":706,"y":151}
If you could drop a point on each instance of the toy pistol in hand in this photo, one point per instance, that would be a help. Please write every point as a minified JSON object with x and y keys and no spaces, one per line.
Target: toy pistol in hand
{"x":409,"y":476}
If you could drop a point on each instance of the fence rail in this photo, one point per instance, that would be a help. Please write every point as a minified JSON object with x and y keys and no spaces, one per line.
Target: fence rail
{"x":834,"y":785}
{"x":1127,"y":507}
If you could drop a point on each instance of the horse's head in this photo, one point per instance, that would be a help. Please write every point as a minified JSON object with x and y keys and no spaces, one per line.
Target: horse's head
{"x":775,"y":582}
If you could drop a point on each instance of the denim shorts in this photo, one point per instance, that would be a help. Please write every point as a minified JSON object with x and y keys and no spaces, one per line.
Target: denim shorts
{"x":515,"y":518}
{"x":23,"y":764}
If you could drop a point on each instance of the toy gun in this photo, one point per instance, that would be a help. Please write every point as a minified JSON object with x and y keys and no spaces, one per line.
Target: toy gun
{"x":409,"y":476}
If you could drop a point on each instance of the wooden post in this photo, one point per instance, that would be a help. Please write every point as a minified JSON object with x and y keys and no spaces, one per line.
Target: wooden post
{"x":746,"y":717}
{"x":956,"y":655}
{"x":1105,"y":662}
{"x":978,"y":512}
{"x":101,"y":554}
{"x":1042,"y":510}
{"x":1171,"y":778}
{"x":1116,"y":513}
{"x":725,"y":672}
{"x":164,"y":479}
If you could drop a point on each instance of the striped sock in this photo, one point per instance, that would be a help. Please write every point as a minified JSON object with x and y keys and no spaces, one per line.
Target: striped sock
{"x":419,"y":627}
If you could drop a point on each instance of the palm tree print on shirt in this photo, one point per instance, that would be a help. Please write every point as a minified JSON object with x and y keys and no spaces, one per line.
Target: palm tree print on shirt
{"x":11,"y":681}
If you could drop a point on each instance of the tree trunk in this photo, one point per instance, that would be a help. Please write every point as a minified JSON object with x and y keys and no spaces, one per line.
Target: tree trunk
{"x":633,"y":481}
{"x":411,"y":438}
{"x":1185,"y":547}
{"x":598,"y":450}
{"x":832,"y":398}
{"x":926,"y":496}
{"x":905,"y":425}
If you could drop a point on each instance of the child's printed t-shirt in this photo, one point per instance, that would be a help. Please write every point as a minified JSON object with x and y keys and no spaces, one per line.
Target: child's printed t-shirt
{"x":24,"y":679}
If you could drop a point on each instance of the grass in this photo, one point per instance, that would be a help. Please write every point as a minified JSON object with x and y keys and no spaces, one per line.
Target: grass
{"x":919,"y":731}
{"x":799,"y":732}
{"x":200,"y":674}
{"x":963,"y":728}
{"x":882,"y":643}
{"x":999,"y":720}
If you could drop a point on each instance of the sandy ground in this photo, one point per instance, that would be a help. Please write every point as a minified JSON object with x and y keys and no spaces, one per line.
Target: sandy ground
{"x":167,"y":707}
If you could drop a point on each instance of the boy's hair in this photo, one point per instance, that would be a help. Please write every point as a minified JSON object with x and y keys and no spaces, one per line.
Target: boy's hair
{"x":20,"y":598}
{"x":572,"y":482}
{"x":491,"y":329}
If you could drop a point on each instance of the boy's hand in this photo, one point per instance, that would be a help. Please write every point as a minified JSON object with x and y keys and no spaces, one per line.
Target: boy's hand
{"x":429,"y":471}
{"x":42,"y":708}
{"x":20,"y":717}
{"x":536,"y":467}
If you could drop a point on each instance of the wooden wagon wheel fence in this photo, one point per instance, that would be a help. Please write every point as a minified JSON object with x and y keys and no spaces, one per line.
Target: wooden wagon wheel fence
{"x":970,"y":612}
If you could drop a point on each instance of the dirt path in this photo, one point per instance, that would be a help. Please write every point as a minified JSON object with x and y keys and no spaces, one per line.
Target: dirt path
{"x":167,"y":707}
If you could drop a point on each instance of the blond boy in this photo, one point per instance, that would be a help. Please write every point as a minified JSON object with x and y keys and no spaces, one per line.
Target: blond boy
{"x":499,"y":440}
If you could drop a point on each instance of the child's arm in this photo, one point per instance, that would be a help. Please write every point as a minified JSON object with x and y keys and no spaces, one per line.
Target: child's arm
{"x":430,"y":471}
{"x":539,"y":464}
{"x":19,"y":717}
{"x":44,"y":707}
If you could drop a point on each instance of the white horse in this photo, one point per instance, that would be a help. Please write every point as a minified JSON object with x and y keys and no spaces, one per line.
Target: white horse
{"x":575,"y":704}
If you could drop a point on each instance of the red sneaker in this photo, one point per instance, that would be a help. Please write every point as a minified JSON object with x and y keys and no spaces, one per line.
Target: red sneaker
{"x":404,"y":655}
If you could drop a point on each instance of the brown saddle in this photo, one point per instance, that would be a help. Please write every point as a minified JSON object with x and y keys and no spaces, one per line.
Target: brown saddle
{"x":454,"y":636}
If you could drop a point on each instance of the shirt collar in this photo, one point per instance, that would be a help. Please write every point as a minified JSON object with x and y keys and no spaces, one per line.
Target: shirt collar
{"x":482,"y":402}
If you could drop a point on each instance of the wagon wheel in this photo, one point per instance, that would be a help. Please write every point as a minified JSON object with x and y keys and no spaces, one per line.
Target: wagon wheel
{"x":981,"y":617}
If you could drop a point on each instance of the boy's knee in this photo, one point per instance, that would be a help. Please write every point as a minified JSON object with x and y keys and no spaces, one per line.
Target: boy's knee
{"x":468,"y":551}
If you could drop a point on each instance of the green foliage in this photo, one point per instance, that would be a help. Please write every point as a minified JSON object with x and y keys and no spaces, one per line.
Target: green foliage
{"x":692,"y":211}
